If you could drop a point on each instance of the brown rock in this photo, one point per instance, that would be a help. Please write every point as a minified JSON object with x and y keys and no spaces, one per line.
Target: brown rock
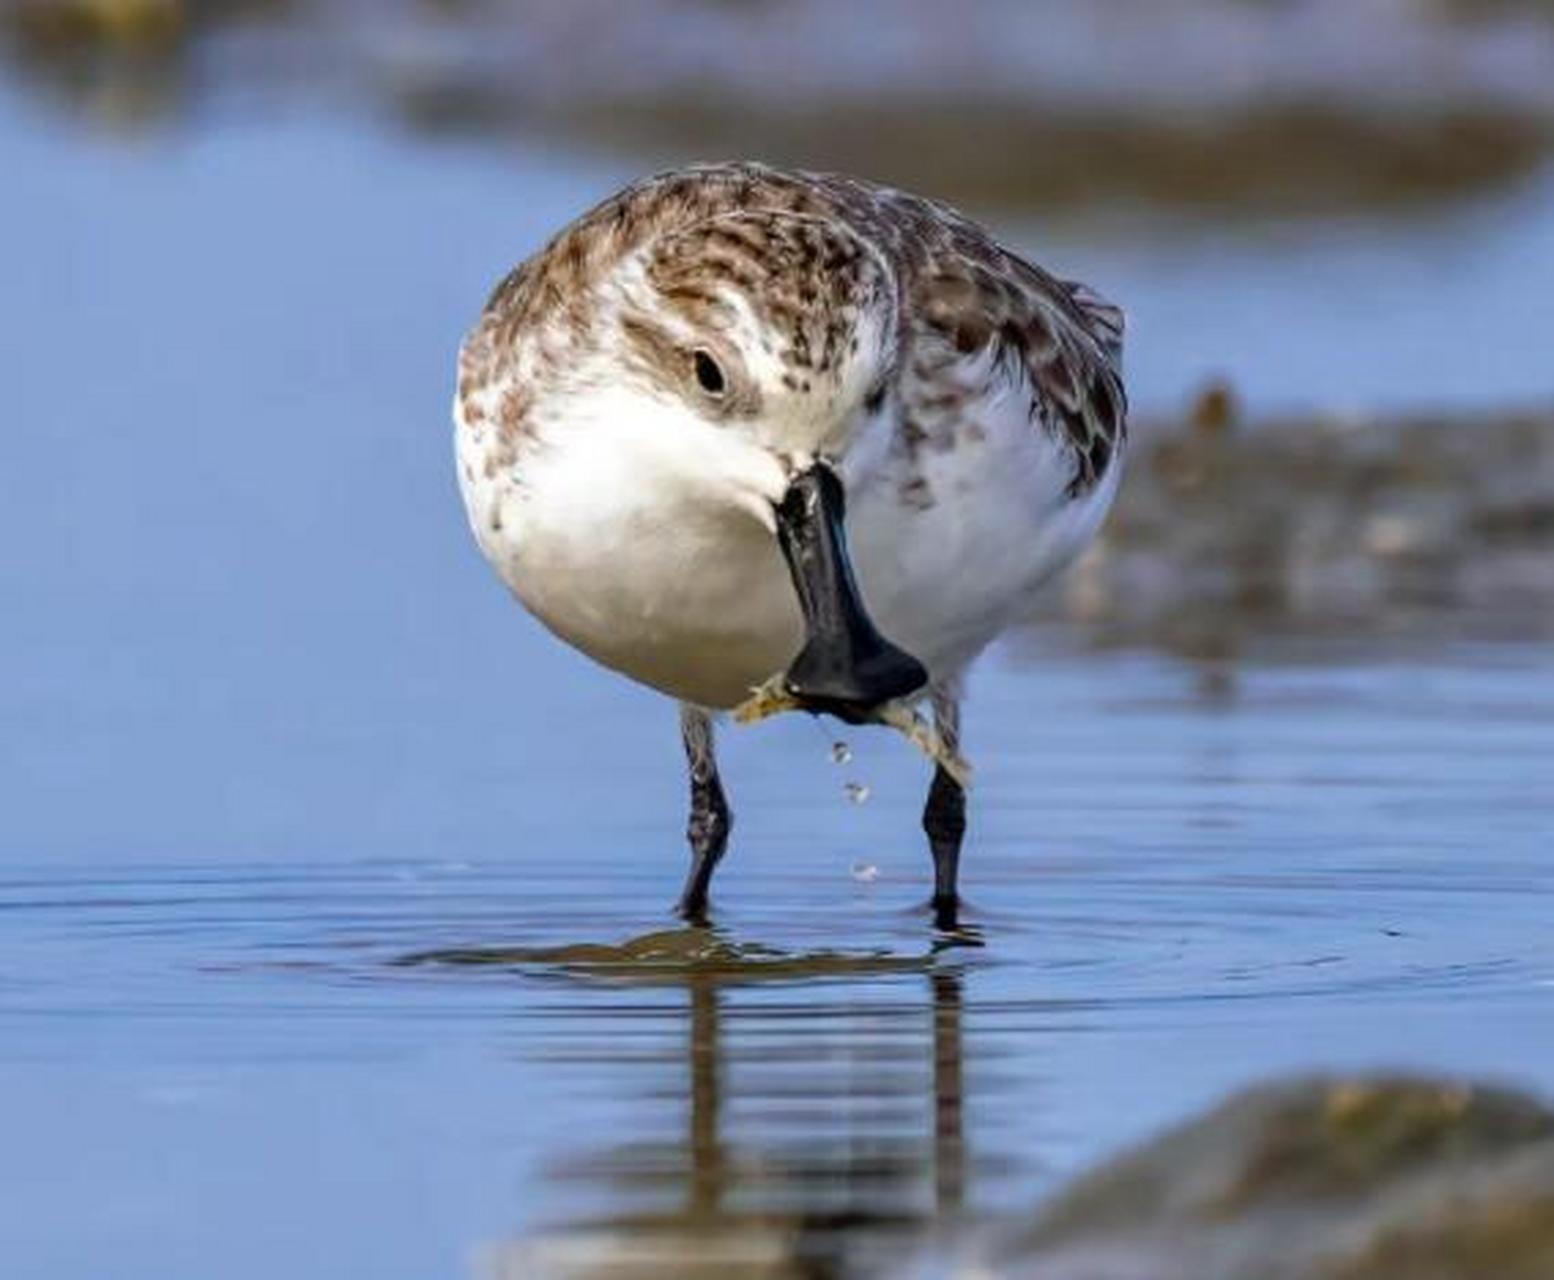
{"x":1375,"y":1179}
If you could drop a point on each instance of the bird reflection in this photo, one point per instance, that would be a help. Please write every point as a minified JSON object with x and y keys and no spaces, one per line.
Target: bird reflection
{"x":816,"y":1141}
{"x":949,"y":1117}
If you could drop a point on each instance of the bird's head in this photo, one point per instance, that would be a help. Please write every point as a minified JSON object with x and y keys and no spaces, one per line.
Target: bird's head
{"x":777,"y":331}
{"x":770,"y":340}
{"x":745,"y":360}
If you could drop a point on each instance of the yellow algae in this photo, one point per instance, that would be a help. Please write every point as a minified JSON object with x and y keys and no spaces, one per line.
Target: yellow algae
{"x":772,"y":698}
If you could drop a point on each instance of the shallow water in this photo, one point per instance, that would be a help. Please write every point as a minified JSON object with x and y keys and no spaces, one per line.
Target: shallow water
{"x":333,"y":929}
{"x":464,"y":1062}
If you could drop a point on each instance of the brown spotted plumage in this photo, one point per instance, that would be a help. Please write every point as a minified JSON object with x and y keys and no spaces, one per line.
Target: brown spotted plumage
{"x":808,"y":248}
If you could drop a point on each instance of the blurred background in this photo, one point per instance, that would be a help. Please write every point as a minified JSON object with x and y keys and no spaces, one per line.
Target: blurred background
{"x":267,"y":724}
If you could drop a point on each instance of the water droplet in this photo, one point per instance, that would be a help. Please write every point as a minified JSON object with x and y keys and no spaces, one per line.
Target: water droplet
{"x":865,"y":872}
{"x":857,"y":792}
{"x":841,"y":753}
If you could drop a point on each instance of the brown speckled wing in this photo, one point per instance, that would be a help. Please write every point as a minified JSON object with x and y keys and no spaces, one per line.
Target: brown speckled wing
{"x":1063,"y":338}
{"x":964,"y":293}
{"x":1106,"y":318}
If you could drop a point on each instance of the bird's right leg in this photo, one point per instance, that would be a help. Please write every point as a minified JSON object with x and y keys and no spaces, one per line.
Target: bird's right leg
{"x":944,"y":816}
{"x":711,"y":820}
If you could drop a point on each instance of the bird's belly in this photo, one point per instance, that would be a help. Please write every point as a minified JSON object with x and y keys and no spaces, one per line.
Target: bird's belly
{"x":701,"y":610}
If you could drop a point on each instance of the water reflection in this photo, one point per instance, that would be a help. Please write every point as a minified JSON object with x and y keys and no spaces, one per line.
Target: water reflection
{"x":807,"y":1142}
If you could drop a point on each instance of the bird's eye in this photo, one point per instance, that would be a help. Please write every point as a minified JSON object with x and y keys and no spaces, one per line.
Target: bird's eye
{"x":709,"y":374}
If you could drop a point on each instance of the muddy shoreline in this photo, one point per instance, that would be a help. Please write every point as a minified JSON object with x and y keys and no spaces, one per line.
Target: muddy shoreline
{"x":1225,"y":530}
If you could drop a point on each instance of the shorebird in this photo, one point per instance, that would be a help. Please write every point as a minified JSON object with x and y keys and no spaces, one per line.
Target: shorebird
{"x":737,"y":420}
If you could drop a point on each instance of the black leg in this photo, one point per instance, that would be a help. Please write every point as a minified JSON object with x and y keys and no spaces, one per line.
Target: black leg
{"x":711,"y":820}
{"x":944,"y":818}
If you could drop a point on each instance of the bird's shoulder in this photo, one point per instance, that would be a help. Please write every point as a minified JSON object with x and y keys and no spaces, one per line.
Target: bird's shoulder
{"x":978,"y":312}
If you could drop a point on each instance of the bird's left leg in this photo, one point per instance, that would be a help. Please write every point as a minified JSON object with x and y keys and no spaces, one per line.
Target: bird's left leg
{"x":944,"y":816}
{"x":711,"y":820}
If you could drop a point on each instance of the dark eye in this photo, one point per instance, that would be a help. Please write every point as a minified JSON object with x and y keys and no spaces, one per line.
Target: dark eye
{"x":709,"y":374}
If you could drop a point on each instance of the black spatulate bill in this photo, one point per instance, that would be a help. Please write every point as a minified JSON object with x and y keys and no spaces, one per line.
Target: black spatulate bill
{"x":846,"y":668}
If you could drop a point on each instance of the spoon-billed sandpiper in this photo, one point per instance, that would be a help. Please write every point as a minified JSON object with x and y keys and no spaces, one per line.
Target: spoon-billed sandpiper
{"x":736,"y":420}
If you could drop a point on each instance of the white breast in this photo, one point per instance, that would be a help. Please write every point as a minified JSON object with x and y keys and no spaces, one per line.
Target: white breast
{"x":624,"y":537}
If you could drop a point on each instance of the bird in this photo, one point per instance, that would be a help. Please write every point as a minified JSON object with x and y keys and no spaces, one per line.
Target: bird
{"x":738,"y":420}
